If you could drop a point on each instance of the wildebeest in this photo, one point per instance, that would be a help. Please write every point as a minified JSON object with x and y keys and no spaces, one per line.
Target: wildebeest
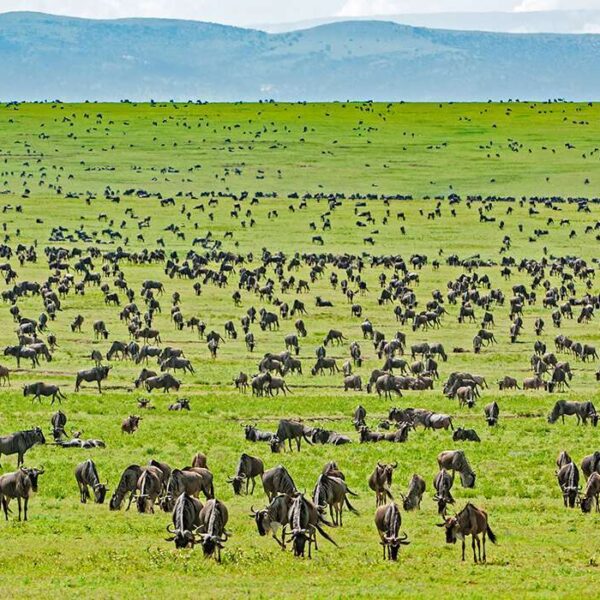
{"x":127,"y":485}
{"x":469,"y":521}
{"x":442,"y":484}
{"x":508,"y":383}
{"x":149,"y":486}
{"x":21,"y":441}
{"x":130,"y":424}
{"x":592,"y":492}
{"x":591,"y":464}
{"x":186,"y":519}
{"x":292,"y":430}
{"x":164,"y":382}
{"x":40,"y":389}
{"x":380,"y":481}
{"x":86,"y":475}
{"x":568,"y":480}
{"x":414,"y":495}
{"x":274,"y":516}
{"x":278,"y":481}
{"x":97,"y":374}
{"x":191,"y":480}
{"x":252,"y":434}
{"x":333,"y":492}
{"x":248,"y":468}
{"x":20,"y":485}
{"x":181,"y":404}
{"x":582,"y":410}
{"x":455,"y":460}
{"x":324,"y":436}
{"x":58,"y":422}
{"x":213,"y":520}
{"x":388,"y":522}
{"x":467,"y":435}
{"x":491,"y":412}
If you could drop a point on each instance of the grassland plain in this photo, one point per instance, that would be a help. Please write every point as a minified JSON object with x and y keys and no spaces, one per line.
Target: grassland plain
{"x":54,"y":156}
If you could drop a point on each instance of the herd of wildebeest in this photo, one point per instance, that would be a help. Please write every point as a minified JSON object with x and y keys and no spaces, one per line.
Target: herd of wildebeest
{"x":561,"y":285}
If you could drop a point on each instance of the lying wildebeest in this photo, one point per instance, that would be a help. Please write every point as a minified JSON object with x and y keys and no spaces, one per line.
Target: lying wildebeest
{"x":186,"y":519}
{"x":164,"y":382}
{"x":278,"y":481}
{"x":40,"y":389}
{"x":248,"y":468}
{"x":360,"y":415}
{"x":97,"y":374}
{"x":182,"y":404}
{"x":442,"y":484}
{"x":20,"y":485}
{"x":333,"y":492}
{"x":438,"y":421}
{"x":86,"y":475}
{"x":130,"y":424}
{"x":388,"y":522}
{"x":414,"y":495}
{"x":582,"y":410}
{"x":491,"y":412}
{"x":455,"y":460}
{"x":592,"y":492}
{"x":127,"y":485}
{"x":380,"y":482}
{"x":466,"y":435}
{"x":469,"y":521}
{"x":274,"y":516}
{"x":19,"y":442}
{"x":305,"y":520}
{"x":324,"y":436}
{"x":213,"y":520}
{"x":568,"y":480}
{"x":252,"y":434}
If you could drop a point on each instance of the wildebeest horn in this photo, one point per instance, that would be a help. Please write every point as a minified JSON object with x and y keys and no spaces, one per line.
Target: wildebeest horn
{"x":379,"y":464}
{"x":394,"y":464}
{"x":171,"y":529}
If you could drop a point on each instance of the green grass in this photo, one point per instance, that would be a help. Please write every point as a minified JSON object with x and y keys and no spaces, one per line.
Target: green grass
{"x":543,"y":548}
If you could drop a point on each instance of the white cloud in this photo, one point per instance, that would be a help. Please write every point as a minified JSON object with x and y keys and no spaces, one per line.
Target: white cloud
{"x":591,"y":28}
{"x":533,"y":5}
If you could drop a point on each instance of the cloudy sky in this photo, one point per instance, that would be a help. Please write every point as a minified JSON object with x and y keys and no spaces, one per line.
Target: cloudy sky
{"x":246,"y":12}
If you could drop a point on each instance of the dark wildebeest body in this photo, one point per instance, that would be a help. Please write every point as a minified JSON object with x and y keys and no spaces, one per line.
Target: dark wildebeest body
{"x":568,"y":480}
{"x":582,"y":410}
{"x":455,"y":460}
{"x":274,"y":516}
{"x":278,"y":481}
{"x":442,"y":484}
{"x":492,"y":412}
{"x":305,"y":520}
{"x":380,"y":482}
{"x":333,"y":492}
{"x":292,"y":430}
{"x":248,"y":468}
{"x":20,"y":485}
{"x":186,"y":519}
{"x":414,"y":495}
{"x":19,"y":442}
{"x":86,"y":475}
{"x":388,"y":522}
{"x":127,"y":485}
{"x":591,"y":494}
{"x":213,"y":520}
{"x":40,"y":389}
{"x":97,"y":374}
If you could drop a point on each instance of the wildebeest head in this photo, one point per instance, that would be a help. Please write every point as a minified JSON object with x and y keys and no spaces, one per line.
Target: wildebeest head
{"x":394,"y":543}
{"x":386,"y":471}
{"x":451,"y":525}
{"x":237,"y":483}
{"x":100,"y":490}
{"x":586,"y":504}
{"x":467,"y":479}
{"x":39,"y":435}
{"x":262,"y":520}
{"x":33,"y":475}
{"x":115,"y":501}
{"x":275,"y":444}
{"x":299,"y":539}
{"x":182,"y":539}
{"x":211,"y":542}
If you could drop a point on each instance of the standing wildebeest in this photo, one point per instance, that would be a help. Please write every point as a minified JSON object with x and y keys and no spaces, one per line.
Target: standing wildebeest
{"x":442,"y":484}
{"x":20,"y":485}
{"x":333,"y":491}
{"x":127,"y":485}
{"x":469,"y":521}
{"x":359,"y":417}
{"x":455,"y":460}
{"x":97,"y":374}
{"x":186,"y":518}
{"x":292,"y":430}
{"x":278,"y":481}
{"x":592,"y":492}
{"x":191,"y":480}
{"x":130,"y":424}
{"x":380,"y":482}
{"x":414,"y":495}
{"x":58,"y":422}
{"x":4,"y":375}
{"x":248,"y":468}
{"x":149,"y":485}
{"x":86,"y":475}
{"x":19,"y":442}
{"x":491,"y":412}
{"x":582,"y":410}
{"x":213,"y":519}
{"x":388,"y":521}
{"x":508,"y":383}
{"x":40,"y":389}
{"x":274,"y":516}
{"x":438,"y":421}
{"x":568,"y":480}
{"x":591,"y":464}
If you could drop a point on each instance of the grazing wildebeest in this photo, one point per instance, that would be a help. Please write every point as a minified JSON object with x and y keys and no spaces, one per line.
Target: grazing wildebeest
{"x":359,"y":417}
{"x":582,"y":410}
{"x":305,"y":520}
{"x":186,"y":519}
{"x":380,"y":482}
{"x":333,"y":492}
{"x":127,"y":485}
{"x":563,"y":459}
{"x":469,"y":521}
{"x":292,"y":430}
{"x":213,"y":520}
{"x":388,"y":522}
{"x":568,"y":480}
{"x":414,"y":495}
{"x":86,"y":475}
{"x":164,"y":382}
{"x":533,"y":383}
{"x":20,"y":485}
{"x":591,"y":464}
{"x":442,"y":484}
{"x":97,"y":374}
{"x":149,"y":485}
{"x":467,"y":435}
{"x":508,"y":383}
{"x":4,"y":375}
{"x":20,"y":352}
{"x":278,"y":481}
{"x":592,"y":492}
{"x":274,"y":516}
{"x":19,"y":442}
{"x":191,"y":480}
{"x":40,"y":389}
{"x":455,"y":460}
{"x":130,"y":424}
{"x":58,"y":422}
{"x":491,"y":413}
{"x":353,"y":382}
{"x":248,"y":468}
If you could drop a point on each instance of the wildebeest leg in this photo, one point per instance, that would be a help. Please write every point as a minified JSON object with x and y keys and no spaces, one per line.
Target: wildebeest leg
{"x":19,"y":503}
{"x":473,"y":538}
{"x":463,"y":548}
{"x":99,"y":386}
{"x":131,"y":497}
{"x":20,"y":459}
{"x":25,"y":503}
{"x":484,"y":557}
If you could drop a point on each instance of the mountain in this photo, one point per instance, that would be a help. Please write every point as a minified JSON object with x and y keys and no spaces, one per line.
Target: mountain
{"x":48,"y":57}
{"x":540,"y":21}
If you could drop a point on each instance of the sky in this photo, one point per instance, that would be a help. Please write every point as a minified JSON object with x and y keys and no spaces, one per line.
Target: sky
{"x":248,"y":12}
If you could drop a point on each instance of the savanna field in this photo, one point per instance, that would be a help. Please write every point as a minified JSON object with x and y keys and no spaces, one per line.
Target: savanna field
{"x":86,"y":175}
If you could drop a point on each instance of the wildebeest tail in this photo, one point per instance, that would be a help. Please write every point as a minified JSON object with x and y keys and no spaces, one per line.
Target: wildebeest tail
{"x":325,"y":534}
{"x":349,"y":491}
{"x":450,"y":421}
{"x":287,"y":388}
{"x":491,"y":535}
{"x":350,"y":507}
{"x":306,"y":438}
